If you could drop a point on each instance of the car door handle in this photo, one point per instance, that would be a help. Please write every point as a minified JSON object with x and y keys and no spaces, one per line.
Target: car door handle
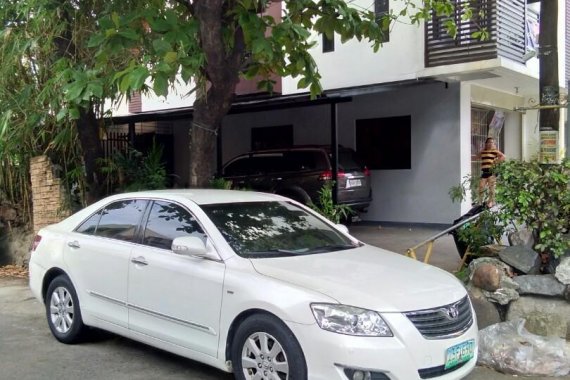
{"x":73,"y":244}
{"x":139,"y":260}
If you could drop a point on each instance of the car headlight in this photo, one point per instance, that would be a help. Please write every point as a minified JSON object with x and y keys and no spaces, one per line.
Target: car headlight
{"x":350,"y":320}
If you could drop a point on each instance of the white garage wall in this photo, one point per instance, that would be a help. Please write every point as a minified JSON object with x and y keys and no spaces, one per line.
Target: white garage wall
{"x":418,"y":195}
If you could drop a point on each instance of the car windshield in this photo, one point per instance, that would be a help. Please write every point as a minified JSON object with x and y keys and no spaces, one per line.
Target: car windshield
{"x":277,"y":228}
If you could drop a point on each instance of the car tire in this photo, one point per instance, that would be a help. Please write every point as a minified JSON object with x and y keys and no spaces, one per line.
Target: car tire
{"x":63,"y":312}
{"x":282,"y":358}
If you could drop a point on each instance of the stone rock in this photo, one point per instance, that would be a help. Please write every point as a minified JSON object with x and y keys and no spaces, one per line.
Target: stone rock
{"x":507,"y":290}
{"x":523,"y":237}
{"x":509,"y":283}
{"x":544,"y":285}
{"x":544,"y":316}
{"x":490,"y":250}
{"x":522,"y":259}
{"x":566,"y":294}
{"x":487,"y":276}
{"x":486,"y":311}
{"x":563,"y":271}
{"x":504,"y":268}
{"x":502,"y":296}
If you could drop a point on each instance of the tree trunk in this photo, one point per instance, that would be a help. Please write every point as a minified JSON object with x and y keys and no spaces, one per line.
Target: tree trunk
{"x":548,"y":80}
{"x":221,"y":75}
{"x":88,"y":131}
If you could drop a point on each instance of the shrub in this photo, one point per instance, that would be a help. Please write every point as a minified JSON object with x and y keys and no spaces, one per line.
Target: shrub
{"x":325,"y":206}
{"x":538,"y":196}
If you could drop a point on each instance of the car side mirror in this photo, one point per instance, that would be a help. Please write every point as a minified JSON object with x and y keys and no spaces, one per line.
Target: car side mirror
{"x":190,"y":246}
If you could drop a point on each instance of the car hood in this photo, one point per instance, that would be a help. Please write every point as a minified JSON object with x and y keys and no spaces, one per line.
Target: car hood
{"x":367,"y":277}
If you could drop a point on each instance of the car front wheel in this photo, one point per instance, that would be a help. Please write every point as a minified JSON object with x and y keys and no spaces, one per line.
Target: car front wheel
{"x":264,"y":348}
{"x":62,"y":311}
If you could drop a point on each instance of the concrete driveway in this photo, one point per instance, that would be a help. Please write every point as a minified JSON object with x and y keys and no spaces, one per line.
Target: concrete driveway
{"x":29,"y":352}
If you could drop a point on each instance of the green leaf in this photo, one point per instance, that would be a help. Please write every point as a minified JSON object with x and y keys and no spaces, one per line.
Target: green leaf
{"x":129,"y":34}
{"x":138,"y":77}
{"x":74,"y":90}
{"x":116,"y":19}
{"x":160,"y":84}
{"x":74,"y":113}
{"x":161,"y":46}
{"x":170,"y":57}
{"x":61,"y":114}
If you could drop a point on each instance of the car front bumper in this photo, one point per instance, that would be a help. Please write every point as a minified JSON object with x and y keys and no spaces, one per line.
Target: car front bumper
{"x":400,"y":357}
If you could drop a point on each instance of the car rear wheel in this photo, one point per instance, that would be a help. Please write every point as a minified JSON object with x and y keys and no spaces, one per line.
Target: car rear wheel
{"x":264,"y":348}
{"x":62,"y":311}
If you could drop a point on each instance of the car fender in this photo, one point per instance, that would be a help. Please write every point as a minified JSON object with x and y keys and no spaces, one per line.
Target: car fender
{"x":257,"y":293}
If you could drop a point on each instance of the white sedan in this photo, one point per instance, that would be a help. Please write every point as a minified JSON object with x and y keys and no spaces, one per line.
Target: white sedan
{"x":251,"y":283}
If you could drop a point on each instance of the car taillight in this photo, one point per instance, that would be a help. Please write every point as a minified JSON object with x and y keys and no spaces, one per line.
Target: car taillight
{"x":366,"y":172}
{"x":35,"y":243}
{"x":327,"y":175}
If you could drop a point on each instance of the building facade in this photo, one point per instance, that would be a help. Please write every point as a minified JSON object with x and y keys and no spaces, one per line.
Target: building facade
{"x":418,"y":111}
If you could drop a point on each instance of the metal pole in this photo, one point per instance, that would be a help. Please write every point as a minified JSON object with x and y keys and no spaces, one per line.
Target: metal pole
{"x":334,"y":150}
{"x":567,"y":129}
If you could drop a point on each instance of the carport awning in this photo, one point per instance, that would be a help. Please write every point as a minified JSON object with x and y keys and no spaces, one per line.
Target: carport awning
{"x":242,"y":105}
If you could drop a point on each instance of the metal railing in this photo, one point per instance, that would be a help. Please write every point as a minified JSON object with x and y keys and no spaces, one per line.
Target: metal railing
{"x":503,"y":20}
{"x":411,"y":252}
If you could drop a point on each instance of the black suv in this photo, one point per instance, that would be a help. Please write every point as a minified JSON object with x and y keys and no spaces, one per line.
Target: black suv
{"x":299,"y":173}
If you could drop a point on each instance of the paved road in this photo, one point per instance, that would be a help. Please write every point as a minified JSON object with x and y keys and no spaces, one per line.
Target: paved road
{"x":29,"y":352}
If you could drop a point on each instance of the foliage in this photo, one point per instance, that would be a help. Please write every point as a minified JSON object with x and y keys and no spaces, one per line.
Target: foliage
{"x":484,"y":230}
{"x":469,"y":185}
{"x":538,"y":196}
{"x":134,"y":171}
{"x":220,"y":183}
{"x":61,"y":60}
{"x":529,"y":194}
{"x":325,"y":206}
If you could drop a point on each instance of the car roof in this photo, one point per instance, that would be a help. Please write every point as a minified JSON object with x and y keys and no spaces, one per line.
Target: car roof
{"x":202,"y":196}
{"x":198,"y":196}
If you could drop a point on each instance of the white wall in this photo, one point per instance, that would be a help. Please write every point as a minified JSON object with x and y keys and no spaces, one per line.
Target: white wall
{"x":180,"y":95}
{"x":311,"y":125}
{"x":513,"y":135}
{"x":418,"y":195}
{"x":355,"y":63}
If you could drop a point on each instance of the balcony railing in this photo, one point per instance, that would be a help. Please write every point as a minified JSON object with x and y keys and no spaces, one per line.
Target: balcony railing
{"x":503,"y":20}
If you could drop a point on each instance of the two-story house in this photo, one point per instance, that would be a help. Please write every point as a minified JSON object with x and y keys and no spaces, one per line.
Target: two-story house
{"x":417,"y":112}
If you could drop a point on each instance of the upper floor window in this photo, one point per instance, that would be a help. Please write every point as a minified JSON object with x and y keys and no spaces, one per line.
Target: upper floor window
{"x":328,"y":43}
{"x":381,"y":9}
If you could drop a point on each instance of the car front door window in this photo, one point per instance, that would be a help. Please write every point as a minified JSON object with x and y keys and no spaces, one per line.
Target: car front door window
{"x":168,"y":221}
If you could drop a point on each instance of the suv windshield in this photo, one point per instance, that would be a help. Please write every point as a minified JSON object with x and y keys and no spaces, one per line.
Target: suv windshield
{"x":270,"y":229}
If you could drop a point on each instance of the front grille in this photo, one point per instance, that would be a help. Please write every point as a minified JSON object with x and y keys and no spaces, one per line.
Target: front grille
{"x":428,"y":373}
{"x":443,"y":322}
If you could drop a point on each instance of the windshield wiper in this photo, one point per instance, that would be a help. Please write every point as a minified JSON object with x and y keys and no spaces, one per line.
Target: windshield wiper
{"x":331,"y":248}
{"x":277,"y":251}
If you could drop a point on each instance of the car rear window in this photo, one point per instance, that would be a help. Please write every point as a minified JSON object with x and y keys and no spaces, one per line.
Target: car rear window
{"x":349,"y":161}
{"x":306,"y":160}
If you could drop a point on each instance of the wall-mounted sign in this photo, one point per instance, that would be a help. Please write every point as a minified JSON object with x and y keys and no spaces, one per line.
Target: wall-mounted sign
{"x":549,"y":146}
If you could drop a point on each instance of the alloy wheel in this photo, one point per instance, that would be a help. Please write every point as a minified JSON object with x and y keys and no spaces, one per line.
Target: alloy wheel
{"x":61,"y":310}
{"x":263,"y":358}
